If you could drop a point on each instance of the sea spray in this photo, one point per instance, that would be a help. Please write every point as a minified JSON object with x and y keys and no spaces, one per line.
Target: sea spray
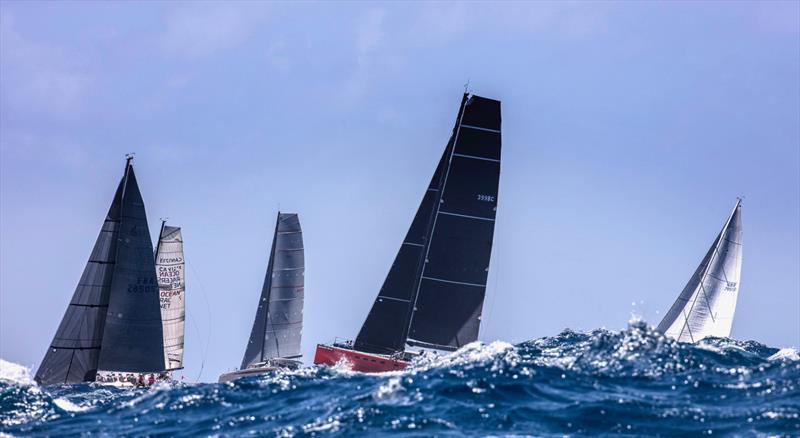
{"x":631,"y":382}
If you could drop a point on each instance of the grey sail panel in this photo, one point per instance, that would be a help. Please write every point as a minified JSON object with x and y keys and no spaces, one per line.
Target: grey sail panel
{"x":707,"y":304}
{"x":73,"y":355}
{"x":133,"y":334}
{"x":386,"y":326}
{"x":278,"y":325}
{"x":449,"y":301}
{"x":170,"y":268}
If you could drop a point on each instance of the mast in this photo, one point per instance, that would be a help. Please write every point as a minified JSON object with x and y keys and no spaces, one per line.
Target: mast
{"x":707,"y":304}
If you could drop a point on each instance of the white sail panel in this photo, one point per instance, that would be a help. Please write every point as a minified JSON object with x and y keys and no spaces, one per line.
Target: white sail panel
{"x":708,"y":302}
{"x":170,"y":269}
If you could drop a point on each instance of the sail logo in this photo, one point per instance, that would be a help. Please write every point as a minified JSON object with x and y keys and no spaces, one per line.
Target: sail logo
{"x":731,"y":286}
{"x":171,"y":260}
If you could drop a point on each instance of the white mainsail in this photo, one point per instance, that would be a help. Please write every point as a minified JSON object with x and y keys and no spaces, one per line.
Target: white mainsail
{"x":706,"y":305}
{"x":172,"y":287}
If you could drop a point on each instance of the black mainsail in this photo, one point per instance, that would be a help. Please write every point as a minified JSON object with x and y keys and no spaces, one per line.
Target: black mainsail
{"x":433,"y":294}
{"x":113,"y":321}
{"x":278,"y":324}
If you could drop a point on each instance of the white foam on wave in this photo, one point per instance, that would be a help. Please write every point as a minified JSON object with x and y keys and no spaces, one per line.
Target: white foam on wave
{"x":68,"y":406}
{"x":15,"y":373}
{"x":785,"y":354}
{"x":474,"y":352}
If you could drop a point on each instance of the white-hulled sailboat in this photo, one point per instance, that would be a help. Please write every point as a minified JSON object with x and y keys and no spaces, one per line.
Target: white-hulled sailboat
{"x":277,"y":329}
{"x":706,"y":305}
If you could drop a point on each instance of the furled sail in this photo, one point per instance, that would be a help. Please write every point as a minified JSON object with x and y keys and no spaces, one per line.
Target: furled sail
{"x":172,"y":288}
{"x":278,"y":324}
{"x":433,"y":294}
{"x":108,"y":323}
{"x":706,"y":305}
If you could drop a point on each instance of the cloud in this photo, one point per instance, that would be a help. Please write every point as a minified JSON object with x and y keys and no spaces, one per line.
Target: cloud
{"x":200,"y":29}
{"x":39,"y":77}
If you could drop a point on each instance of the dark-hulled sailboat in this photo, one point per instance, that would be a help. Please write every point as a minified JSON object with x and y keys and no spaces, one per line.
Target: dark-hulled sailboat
{"x":113,"y":322}
{"x":275,"y":337}
{"x":706,"y":305}
{"x":433,"y":296}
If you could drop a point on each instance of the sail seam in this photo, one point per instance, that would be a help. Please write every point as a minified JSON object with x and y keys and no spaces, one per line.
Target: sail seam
{"x":465,"y":216}
{"x":413,"y":244}
{"x":454,"y":282}
{"x":393,"y":299}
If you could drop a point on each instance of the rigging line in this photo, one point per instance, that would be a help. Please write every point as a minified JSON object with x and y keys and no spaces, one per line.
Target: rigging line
{"x":696,"y":294}
{"x":208,"y":312}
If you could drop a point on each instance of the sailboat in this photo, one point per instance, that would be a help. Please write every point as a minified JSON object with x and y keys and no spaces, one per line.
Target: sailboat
{"x":706,"y":305}
{"x":112,"y":326}
{"x":275,"y":337}
{"x":170,"y":269}
{"x":432,"y":298}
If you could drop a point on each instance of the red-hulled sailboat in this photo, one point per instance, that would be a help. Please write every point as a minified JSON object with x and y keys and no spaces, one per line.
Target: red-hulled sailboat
{"x":433,"y":295}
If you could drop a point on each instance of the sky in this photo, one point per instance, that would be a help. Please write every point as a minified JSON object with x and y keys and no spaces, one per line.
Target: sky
{"x":629,"y":129}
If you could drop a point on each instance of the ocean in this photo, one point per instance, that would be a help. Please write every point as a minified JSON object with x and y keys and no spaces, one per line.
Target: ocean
{"x":634,"y":382}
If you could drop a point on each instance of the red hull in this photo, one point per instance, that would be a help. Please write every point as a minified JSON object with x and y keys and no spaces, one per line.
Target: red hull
{"x":357,"y":360}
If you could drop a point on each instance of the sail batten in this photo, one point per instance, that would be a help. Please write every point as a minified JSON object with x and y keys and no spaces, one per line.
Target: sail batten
{"x":707,"y":304}
{"x":278,"y":324}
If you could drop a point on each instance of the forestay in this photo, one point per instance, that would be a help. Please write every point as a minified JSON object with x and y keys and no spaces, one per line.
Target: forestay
{"x":707,"y":304}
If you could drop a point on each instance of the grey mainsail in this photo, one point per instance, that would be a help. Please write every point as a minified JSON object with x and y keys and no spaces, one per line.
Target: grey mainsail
{"x":707,"y":304}
{"x":278,"y":324}
{"x":113,"y":321}
{"x":170,"y":269}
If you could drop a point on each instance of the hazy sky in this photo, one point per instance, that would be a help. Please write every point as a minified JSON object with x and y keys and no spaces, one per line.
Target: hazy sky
{"x":628,"y":131}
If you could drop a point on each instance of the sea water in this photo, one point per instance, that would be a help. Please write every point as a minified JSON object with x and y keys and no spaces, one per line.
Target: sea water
{"x":633,"y":382}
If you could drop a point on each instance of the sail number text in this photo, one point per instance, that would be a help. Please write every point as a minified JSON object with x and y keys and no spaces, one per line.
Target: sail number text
{"x":486,"y":198}
{"x":143,"y":285}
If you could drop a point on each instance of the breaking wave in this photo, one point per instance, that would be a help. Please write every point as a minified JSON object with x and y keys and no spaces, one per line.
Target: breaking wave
{"x":632,"y":382}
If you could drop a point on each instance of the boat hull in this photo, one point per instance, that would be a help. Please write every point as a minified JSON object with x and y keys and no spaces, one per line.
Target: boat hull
{"x":357,"y":360}
{"x":269,"y":367}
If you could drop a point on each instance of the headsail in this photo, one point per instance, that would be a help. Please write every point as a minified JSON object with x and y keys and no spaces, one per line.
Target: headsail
{"x":707,"y":304}
{"x":73,"y":354}
{"x":278,"y":324}
{"x":433,"y":294}
{"x":172,"y":287}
